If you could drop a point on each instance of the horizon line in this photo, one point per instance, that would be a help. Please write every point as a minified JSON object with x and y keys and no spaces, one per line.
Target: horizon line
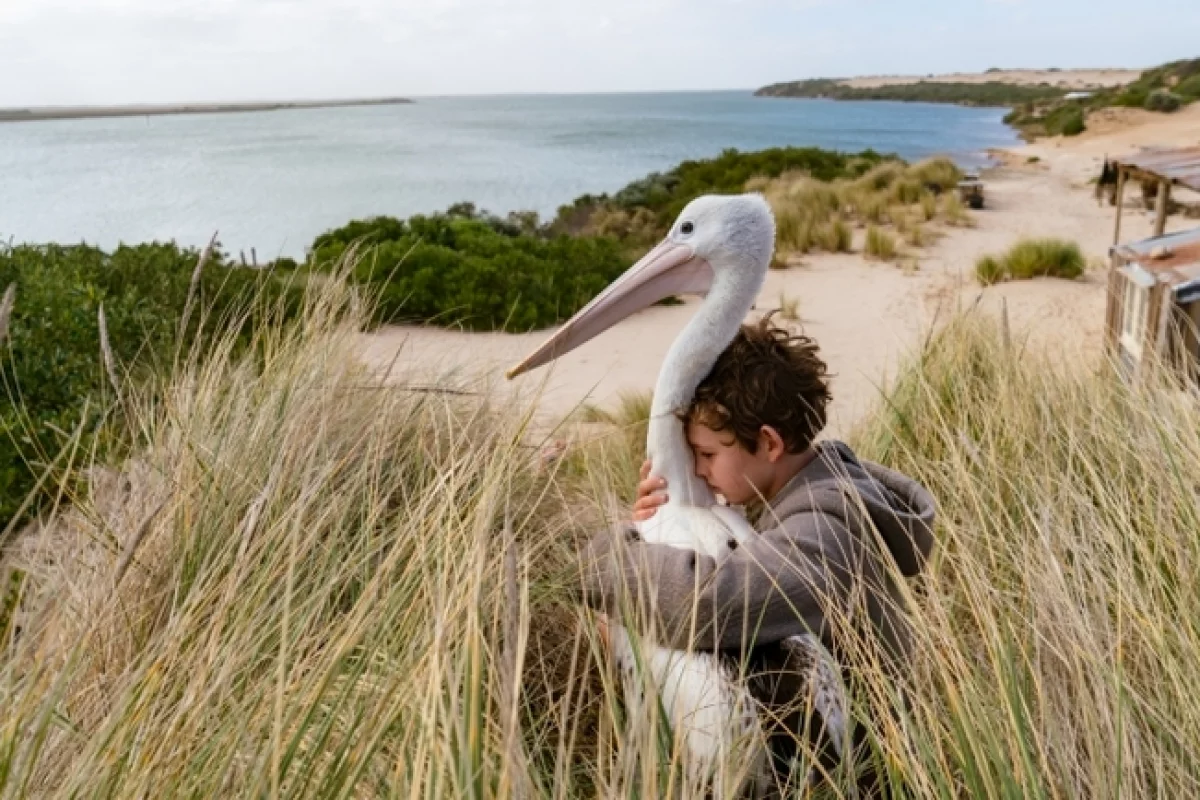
{"x":344,"y":100}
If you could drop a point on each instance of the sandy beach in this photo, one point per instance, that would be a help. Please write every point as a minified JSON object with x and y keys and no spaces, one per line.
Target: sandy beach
{"x":867,"y":316}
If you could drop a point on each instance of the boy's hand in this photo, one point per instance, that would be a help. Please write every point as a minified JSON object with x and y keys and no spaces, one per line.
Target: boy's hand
{"x":651,"y":493}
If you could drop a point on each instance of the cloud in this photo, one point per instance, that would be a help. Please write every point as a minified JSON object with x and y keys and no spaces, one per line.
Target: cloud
{"x":113,"y":51}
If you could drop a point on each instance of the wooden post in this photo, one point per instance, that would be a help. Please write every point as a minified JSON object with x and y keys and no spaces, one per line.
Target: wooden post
{"x":1160,"y":207}
{"x":1158,"y":313}
{"x":1120,"y":195}
{"x":254,"y":258}
{"x":1113,"y":307}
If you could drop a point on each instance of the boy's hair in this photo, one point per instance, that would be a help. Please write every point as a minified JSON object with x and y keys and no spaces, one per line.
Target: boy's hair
{"x":767,"y":376}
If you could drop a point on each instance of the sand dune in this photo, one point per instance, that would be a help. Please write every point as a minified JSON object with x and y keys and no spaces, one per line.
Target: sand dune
{"x":1066,"y":78}
{"x":1112,"y":131}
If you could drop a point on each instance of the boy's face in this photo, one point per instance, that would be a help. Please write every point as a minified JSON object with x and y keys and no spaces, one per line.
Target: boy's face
{"x":727,"y":467}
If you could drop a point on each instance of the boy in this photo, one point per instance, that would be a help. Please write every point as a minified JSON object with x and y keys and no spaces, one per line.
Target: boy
{"x":827,"y":524}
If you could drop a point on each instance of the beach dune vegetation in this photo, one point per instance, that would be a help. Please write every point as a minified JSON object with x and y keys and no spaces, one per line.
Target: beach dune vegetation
{"x":665,"y":194}
{"x":815,"y":213}
{"x":835,"y":236}
{"x":1163,"y":100}
{"x":880,"y":244}
{"x":1163,"y":89}
{"x":295,"y":587}
{"x":1032,"y":258}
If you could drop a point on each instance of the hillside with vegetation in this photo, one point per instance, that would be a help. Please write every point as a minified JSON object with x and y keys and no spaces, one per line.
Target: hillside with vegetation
{"x":1164,"y":89}
{"x":964,"y":94}
{"x":1037,"y":109}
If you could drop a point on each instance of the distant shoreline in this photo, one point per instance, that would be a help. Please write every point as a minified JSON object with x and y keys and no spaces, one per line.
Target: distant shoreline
{"x":93,"y":112}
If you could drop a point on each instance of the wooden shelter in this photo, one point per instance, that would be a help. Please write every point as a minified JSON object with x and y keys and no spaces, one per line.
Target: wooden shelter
{"x":1167,"y":168}
{"x":1154,"y":302}
{"x":1153,"y":307}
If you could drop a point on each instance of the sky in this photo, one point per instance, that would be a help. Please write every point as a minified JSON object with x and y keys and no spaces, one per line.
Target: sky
{"x":97,"y":52}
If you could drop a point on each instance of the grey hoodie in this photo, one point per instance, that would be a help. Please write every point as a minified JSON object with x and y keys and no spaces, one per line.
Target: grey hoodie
{"x":817,"y":566}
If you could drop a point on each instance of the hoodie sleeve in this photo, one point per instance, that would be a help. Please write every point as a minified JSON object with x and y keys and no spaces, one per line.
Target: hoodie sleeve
{"x":904,"y":519}
{"x":785,"y":581}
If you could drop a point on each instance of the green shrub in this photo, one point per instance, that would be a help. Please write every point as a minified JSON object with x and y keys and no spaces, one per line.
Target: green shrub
{"x":880,"y":244}
{"x":1163,"y":100}
{"x":51,"y":377}
{"x":1073,"y":123}
{"x":989,"y":270}
{"x":469,"y":271}
{"x":1031,"y":258}
{"x":1063,"y":120}
{"x":1132,"y":97}
{"x":1189,"y":88}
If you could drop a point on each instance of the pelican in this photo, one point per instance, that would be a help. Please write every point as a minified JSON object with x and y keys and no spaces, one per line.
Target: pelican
{"x":720,"y":247}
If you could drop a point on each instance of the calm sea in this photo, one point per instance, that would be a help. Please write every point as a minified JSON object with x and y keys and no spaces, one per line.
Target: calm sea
{"x":274,"y":180}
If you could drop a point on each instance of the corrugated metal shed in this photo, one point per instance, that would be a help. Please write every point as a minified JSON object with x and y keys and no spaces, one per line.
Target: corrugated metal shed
{"x":1173,"y":259}
{"x":1179,"y":166}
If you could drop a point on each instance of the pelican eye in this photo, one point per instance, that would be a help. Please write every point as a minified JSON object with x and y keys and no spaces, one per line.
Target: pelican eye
{"x":687,"y":227}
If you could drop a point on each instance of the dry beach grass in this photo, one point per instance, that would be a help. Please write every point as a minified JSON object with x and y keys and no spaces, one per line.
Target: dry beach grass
{"x":306,"y":583}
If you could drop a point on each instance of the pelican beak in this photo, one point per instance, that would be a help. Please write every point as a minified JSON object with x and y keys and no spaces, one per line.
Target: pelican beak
{"x":669,"y":269}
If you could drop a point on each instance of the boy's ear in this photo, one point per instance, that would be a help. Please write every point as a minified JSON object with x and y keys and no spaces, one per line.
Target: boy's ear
{"x":771,"y":444}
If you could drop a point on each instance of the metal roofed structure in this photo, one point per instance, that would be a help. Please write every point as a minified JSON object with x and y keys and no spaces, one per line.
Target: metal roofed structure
{"x":1153,"y":307}
{"x":1165,"y":166}
{"x":1178,"y":166}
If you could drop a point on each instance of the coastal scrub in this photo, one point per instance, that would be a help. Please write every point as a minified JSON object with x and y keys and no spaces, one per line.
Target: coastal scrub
{"x":812,"y":213}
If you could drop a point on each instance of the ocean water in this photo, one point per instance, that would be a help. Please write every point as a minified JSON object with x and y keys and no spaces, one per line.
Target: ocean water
{"x":274,"y":180}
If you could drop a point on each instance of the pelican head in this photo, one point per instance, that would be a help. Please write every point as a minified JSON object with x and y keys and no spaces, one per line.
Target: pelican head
{"x":719,"y":243}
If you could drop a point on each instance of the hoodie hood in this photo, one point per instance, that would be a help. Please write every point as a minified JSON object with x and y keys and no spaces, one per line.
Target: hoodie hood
{"x":837,"y":482}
